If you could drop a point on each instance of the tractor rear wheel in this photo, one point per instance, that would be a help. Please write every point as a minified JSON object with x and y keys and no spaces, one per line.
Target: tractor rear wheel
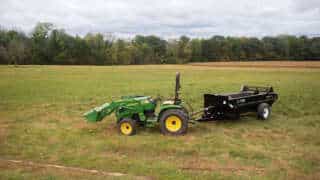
{"x":173,"y":122}
{"x":127,"y":127}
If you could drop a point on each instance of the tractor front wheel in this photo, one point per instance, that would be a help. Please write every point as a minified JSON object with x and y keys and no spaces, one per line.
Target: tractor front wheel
{"x":127,"y":127}
{"x":173,"y":122}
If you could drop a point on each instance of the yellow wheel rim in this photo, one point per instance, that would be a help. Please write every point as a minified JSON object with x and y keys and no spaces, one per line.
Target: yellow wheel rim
{"x":126,"y":128}
{"x":173,"y":123}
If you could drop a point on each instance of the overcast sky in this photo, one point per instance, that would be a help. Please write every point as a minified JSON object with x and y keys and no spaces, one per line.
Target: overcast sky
{"x":196,"y":18}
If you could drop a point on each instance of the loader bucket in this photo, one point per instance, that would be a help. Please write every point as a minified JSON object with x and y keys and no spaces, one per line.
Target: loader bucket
{"x":96,"y":114}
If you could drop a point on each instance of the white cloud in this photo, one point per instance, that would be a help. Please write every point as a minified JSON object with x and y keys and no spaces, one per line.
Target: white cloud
{"x":200,"y":18}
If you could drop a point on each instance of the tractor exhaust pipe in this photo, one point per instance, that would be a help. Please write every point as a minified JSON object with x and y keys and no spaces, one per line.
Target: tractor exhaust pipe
{"x":177,"y":89}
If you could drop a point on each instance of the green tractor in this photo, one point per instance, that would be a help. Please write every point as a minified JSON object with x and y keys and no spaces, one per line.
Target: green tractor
{"x":133,"y":111}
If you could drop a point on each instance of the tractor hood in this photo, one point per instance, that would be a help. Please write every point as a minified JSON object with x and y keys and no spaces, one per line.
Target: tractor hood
{"x":98,"y":113}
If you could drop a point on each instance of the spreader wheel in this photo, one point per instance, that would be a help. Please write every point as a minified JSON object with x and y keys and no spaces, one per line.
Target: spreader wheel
{"x":174,"y":122}
{"x":127,"y":127}
{"x":264,"y":111}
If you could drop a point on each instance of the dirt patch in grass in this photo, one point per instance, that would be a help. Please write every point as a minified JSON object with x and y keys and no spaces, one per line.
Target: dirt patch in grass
{"x":229,"y":167}
{"x":75,"y":171}
{"x":3,"y":131}
{"x":265,"y":134}
{"x":262,"y":64}
{"x":4,"y":127}
{"x":232,"y":167}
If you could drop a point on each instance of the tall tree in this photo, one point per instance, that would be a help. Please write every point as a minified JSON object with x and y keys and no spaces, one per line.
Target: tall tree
{"x":40,"y":34}
{"x":196,"y":50}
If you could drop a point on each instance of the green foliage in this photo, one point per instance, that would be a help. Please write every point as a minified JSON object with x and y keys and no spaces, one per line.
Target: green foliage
{"x":196,"y":50}
{"x":48,"y":45}
{"x":39,"y":48}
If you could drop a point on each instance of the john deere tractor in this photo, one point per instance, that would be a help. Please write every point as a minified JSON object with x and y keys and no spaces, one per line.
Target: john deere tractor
{"x":133,"y":111}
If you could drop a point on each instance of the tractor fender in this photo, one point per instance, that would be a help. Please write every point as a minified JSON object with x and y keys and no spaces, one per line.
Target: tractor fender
{"x":163,"y":108}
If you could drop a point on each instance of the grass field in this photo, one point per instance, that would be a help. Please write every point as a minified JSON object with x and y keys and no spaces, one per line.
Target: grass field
{"x":40,"y":121}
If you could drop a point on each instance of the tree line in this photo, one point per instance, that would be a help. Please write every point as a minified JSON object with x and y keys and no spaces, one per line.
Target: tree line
{"x":48,"y":45}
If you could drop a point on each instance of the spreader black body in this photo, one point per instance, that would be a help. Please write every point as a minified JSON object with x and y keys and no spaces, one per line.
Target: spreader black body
{"x":230,"y":106}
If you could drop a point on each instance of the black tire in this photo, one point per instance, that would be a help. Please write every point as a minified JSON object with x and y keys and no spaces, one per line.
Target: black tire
{"x":264,"y":111}
{"x":173,"y":122}
{"x":127,"y":127}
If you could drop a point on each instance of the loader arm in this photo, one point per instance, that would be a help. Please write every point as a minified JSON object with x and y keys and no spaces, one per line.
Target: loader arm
{"x":98,"y":113}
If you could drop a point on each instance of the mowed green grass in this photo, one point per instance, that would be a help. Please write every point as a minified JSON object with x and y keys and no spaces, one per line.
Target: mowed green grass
{"x":41,"y":120}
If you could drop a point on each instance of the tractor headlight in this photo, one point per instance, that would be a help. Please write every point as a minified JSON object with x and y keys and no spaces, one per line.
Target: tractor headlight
{"x":168,"y":102}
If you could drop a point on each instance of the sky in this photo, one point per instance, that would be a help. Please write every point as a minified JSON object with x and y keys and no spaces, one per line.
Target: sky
{"x":166,"y":18}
